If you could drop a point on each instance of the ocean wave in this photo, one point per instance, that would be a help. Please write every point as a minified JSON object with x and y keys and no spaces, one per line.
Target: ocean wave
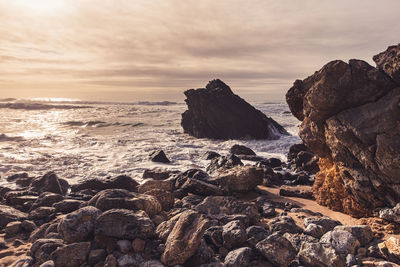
{"x":38,"y":106}
{"x":161,"y":103}
{"x":5,"y":138}
{"x":100,"y":124}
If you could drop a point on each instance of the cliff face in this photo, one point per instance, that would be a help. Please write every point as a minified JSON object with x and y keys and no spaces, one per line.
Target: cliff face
{"x":350,"y":115}
{"x":216,"y":112}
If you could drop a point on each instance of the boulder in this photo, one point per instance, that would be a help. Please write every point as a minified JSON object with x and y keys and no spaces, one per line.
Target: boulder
{"x":326,"y":223}
{"x":97,"y":184}
{"x":342,"y":241}
{"x":239,"y":257}
{"x":78,"y":225}
{"x":124,"y":224}
{"x":68,"y":205}
{"x":223,"y":163}
{"x":277,"y":250}
{"x":165,"y":198}
{"x":150,"y":184}
{"x":9,"y":214}
{"x":350,"y":118}
{"x":239,"y":179}
{"x":210,"y":155}
{"x":96,"y":255}
{"x":13,"y":228}
{"x":184,"y":238}
{"x":297,"y":240}
{"x":216,"y":112}
{"x":391,"y":214}
{"x":73,"y":255}
{"x":362,"y":233}
{"x":49,"y":183}
{"x":233,"y":235}
{"x":157,"y":174}
{"x":41,"y":249}
{"x":255,"y":234}
{"x":241,"y":150}
{"x":284,"y":224}
{"x":320,"y":255}
{"x":198,"y":187}
{"x":218,"y":207}
{"x":46,"y":199}
{"x":213,"y":236}
{"x":159,"y":156}
{"x":123,"y":199}
{"x":390,"y":249}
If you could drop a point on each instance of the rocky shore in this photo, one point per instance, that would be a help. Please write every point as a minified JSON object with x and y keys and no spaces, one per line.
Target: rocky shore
{"x":232,"y":215}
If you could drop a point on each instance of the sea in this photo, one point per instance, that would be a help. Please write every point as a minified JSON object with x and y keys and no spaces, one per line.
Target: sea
{"x":80,"y":140}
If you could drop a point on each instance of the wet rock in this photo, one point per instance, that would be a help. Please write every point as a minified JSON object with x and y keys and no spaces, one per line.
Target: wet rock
{"x":49,"y":183}
{"x":240,"y":179}
{"x":213,"y":236}
{"x":73,"y":255}
{"x":20,"y":199}
{"x":320,"y":255}
{"x":124,"y":224}
{"x":151,"y":184}
{"x":46,"y":213}
{"x":327,"y":223}
{"x":362,"y":233}
{"x":210,"y":155}
{"x":224,"y":162}
{"x":138,"y":245}
{"x":184,"y":238}
{"x":342,"y":241}
{"x":218,"y":207}
{"x":239,"y":257}
{"x":42,"y":248}
{"x":233,"y":235}
{"x":277,"y":249}
{"x":28,"y":226}
{"x":49,"y":263}
{"x":23,"y":262}
{"x":123,"y":199}
{"x":293,"y":192}
{"x":118,"y":182}
{"x":159,"y":156}
{"x":284,"y":224}
{"x":9,"y":214}
{"x":391,"y":214}
{"x":68,"y":205}
{"x":165,"y":198}
{"x":13,"y":228}
{"x":241,"y":150}
{"x":215,"y":112}
{"x":46,"y":199}
{"x":96,"y":255}
{"x":201,"y":188}
{"x":78,"y":225}
{"x":256,"y":233}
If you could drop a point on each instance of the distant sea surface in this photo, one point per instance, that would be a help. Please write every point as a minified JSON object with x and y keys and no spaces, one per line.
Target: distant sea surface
{"x":80,"y":140}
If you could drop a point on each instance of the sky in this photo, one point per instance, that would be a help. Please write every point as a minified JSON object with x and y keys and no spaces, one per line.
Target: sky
{"x":127,"y":50}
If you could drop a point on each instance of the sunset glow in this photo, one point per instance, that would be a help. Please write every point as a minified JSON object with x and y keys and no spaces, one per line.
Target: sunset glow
{"x":41,"y":5}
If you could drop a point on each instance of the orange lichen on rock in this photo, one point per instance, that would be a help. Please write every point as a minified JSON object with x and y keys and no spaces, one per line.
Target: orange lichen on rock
{"x":329,"y":190}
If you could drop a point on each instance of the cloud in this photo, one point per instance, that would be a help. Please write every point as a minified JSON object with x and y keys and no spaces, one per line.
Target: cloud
{"x":171,"y":45}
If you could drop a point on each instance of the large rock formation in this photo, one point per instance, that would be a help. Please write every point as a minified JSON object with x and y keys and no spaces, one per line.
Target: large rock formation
{"x":350,"y":115}
{"x":216,"y":112}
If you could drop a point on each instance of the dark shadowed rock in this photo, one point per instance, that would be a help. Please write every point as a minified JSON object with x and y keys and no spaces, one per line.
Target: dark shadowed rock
{"x":255,"y":234}
{"x":343,"y":241}
{"x":157,"y":174}
{"x":124,"y":224}
{"x":97,"y":184}
{"x":123,"y":199}
{"x":46,"y":199}
{"x":49,"y":183}
{"x":284,"y":224}
{"x":224,"y":163}
{"x":73,"y":255}
{"x":241,"y":150}
{"x":159,"y":156}
{"x":216,"y":112}
{"x":362,"y":233}
{"x":350,"y":118}
{"x":277,"y":249}
{"x":239,"y":257}
{"x":41,"y":249}
{"x":326,"y":223}
{"x":9,"y":214}
{"x":210,"y":155}
{"x":239,"y":179}
{"x":184,"y":238}
{"x":233,"y":234}
{"x":68,"y":205}
{"x":79,"y":225}
{"x":219,"y":207}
